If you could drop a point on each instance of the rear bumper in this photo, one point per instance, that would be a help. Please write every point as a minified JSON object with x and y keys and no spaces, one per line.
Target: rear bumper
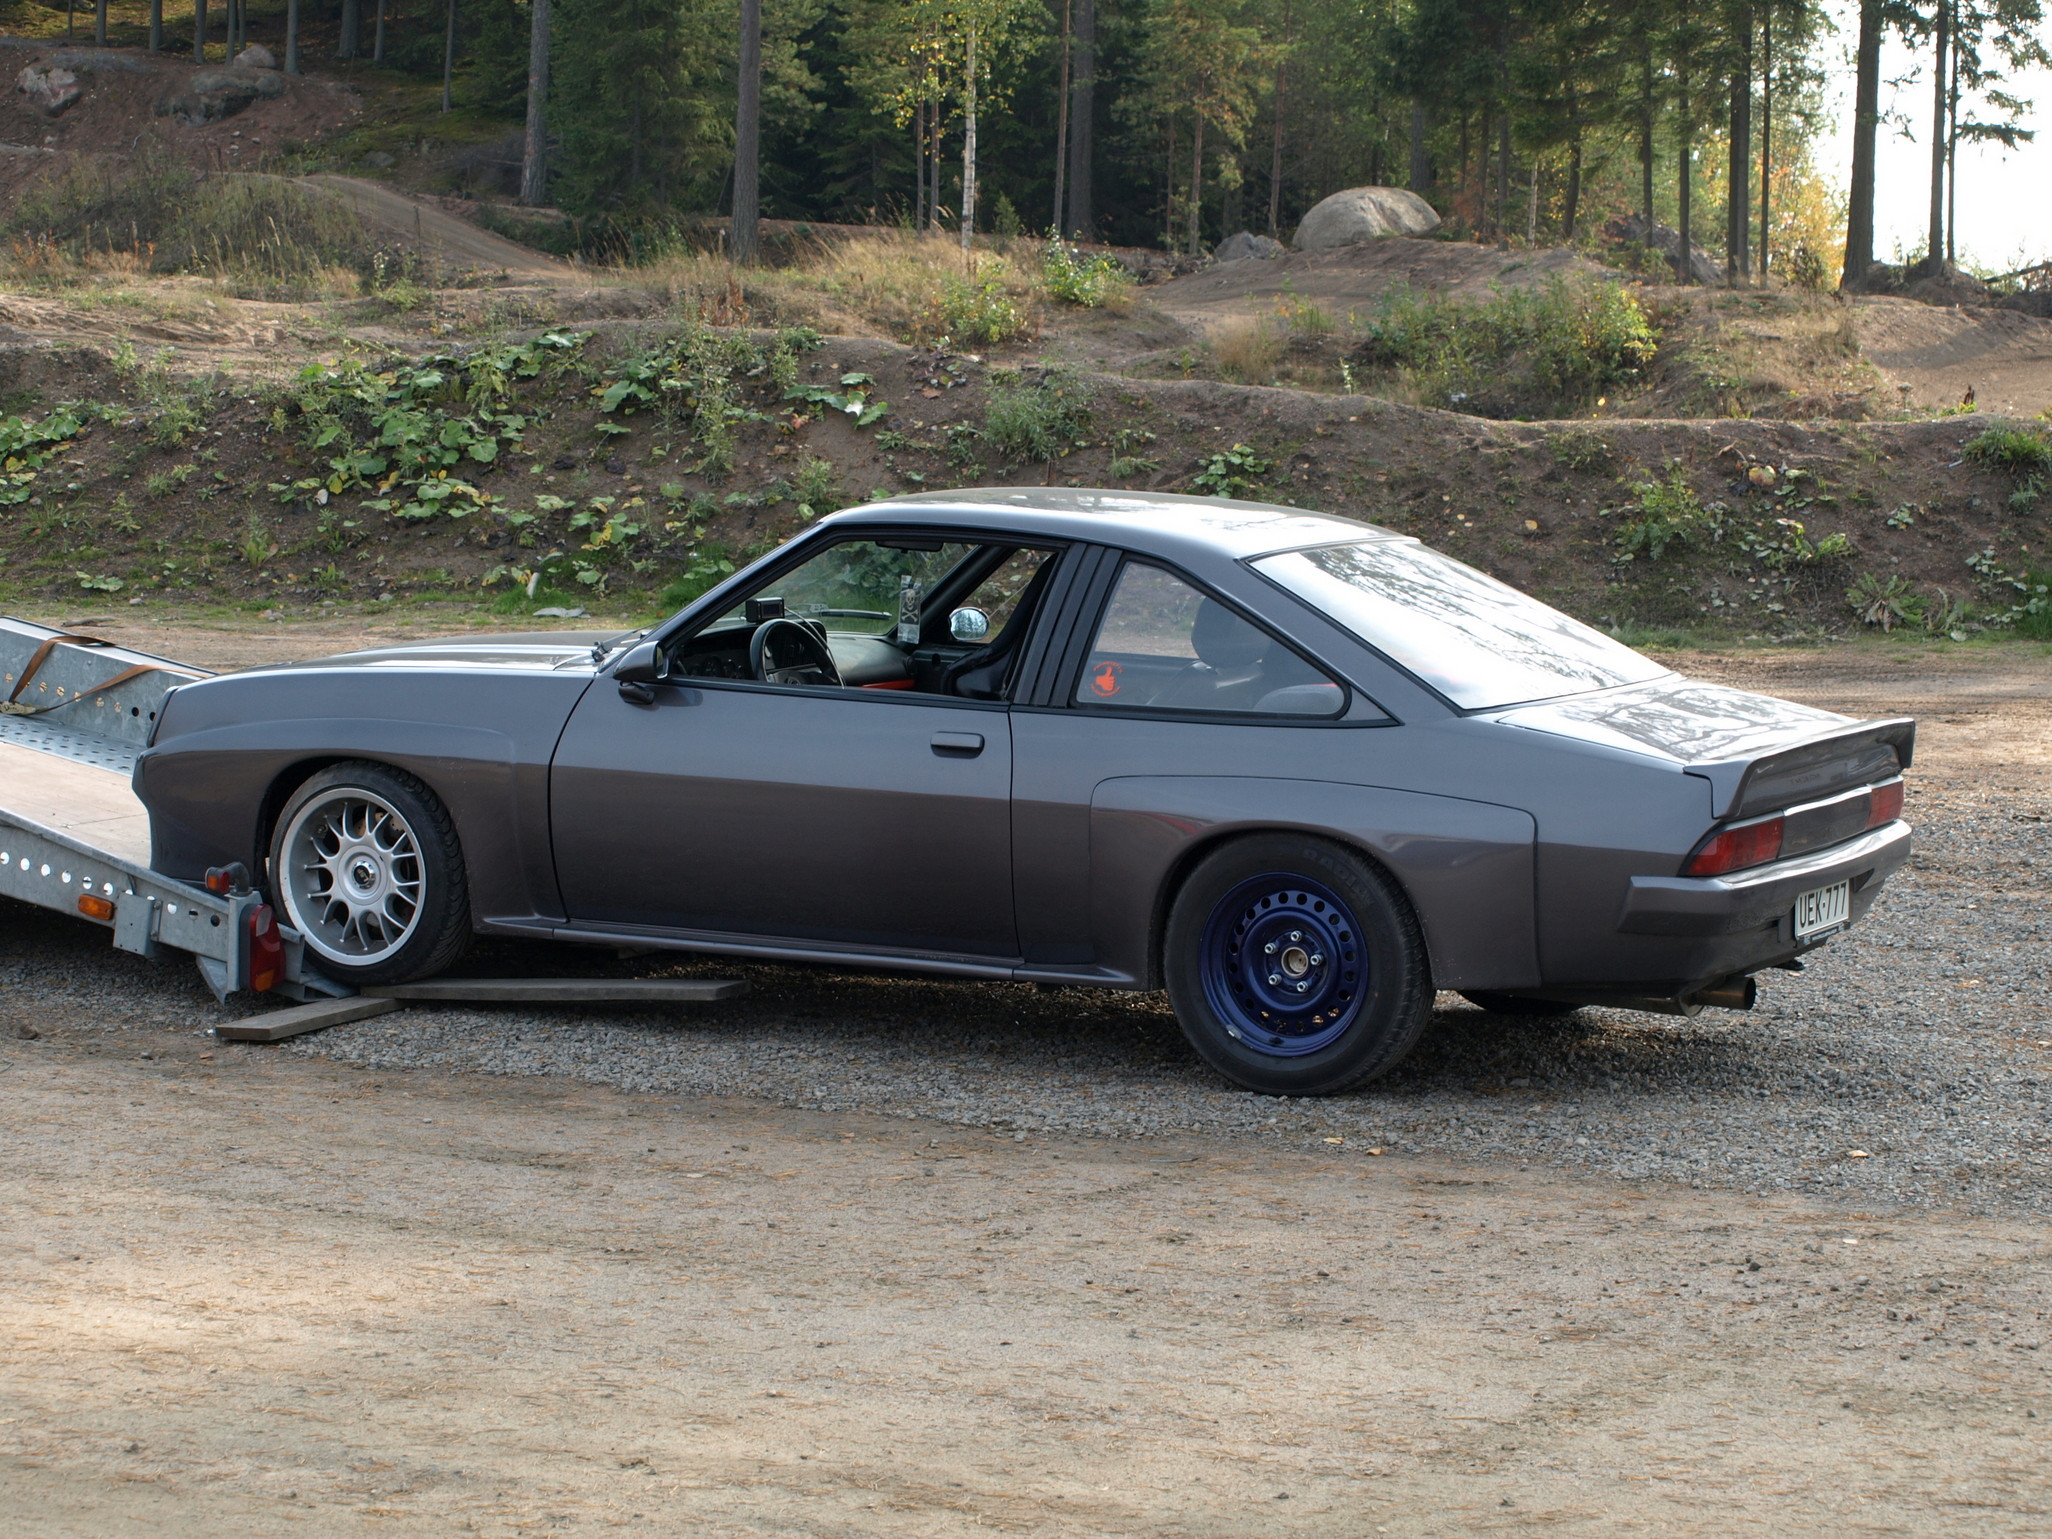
{"x":1760,"y":904}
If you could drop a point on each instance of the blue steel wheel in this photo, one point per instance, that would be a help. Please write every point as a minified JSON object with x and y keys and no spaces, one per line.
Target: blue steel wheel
{"x":1283,"y":964}
{"x":1296,"y":966}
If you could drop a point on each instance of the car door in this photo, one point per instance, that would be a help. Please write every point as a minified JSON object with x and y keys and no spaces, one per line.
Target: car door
{"x":875,"y":817}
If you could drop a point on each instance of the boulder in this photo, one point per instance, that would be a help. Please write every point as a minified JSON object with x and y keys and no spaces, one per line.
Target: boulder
{"x":213,"y":94}
{"x":1632,"y":231}
{"x":1238,"y":248}
{"x":1364,"y":213}
{"x":50,"y":89}
{"x":256,"y":56}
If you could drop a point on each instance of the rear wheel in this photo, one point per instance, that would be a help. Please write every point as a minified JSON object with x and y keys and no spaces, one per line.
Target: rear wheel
{"x":1295,"y":966}
{"x":366,"y":866}
{"x":1511,"y":1004}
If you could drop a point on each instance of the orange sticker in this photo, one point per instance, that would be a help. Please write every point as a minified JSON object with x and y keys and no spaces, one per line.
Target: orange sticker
{"x":1104,"y":680}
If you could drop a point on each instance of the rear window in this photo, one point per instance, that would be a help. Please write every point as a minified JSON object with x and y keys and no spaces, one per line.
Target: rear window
{"x":1479,"y":642}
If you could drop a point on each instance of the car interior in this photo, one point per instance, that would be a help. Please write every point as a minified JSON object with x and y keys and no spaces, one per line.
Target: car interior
{"x":935,"y":616}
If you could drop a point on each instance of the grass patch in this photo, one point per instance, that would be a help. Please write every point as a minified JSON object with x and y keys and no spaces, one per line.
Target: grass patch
{"x":1036,"y":421}
{"x":2023,"y":454}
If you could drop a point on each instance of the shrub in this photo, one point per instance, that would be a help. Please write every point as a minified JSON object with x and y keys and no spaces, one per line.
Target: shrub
{"x":978,"y":309}
{"x":1231,"y":472}
{"x":814,"y":488}
{"x":1551,"y":346}
{"x":1091,"y":282}
{"x":1574,"y":449}
{"x":1036,"y":421}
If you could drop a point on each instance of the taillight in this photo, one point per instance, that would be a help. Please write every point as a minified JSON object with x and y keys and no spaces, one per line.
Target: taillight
{"x":1884,"y":804}
{"x":1734,"y":849}
{"x":266,"y":950}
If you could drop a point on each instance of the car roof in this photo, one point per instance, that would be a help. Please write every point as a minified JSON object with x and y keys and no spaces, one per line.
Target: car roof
{"x":1158,"y":523}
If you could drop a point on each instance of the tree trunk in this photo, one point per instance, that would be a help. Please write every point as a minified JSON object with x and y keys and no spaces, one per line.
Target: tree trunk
{"x":1419,"y":179}
{"x":100,"y":23}
{"x":156,"y":25}
{"x":1738,"y":202}
{"x":291,"y":37}
{"x":449,"y":58}
{"x":534,"y":155}
{"x":1168,"y":191}
{"x":1060,"y":222}
{"x":744,"y":227}
{"x":1574,"y":191}
{"x":378,"y":36}
{"x":969,"y":146}
{"x":350,"y":43}
{"x":1082,"y":122}
{"x":934,"y":122}
{"x":1646,"y":134}
{"x":1934,"y":243}
{"x":199,"y":31}
{"x":1859,"y":208}
{"x":919,"y":164}
{"x":1503,"y":159}
{"x":1952,"y":153}
{"x":1275,"y":150}
{"x":1766,"y":130}
{"x":1196,"y":247}
{"x":1532,"y":207}
{"x":1684,"y":166}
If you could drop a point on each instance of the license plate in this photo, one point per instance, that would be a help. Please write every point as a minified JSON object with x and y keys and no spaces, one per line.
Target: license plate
{"x":1824,"y":910}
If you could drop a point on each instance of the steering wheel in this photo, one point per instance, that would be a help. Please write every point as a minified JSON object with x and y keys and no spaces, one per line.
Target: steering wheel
{"x":782,"y":651}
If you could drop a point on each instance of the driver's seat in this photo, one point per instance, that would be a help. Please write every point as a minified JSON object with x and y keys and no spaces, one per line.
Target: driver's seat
{"x":983,"y":674}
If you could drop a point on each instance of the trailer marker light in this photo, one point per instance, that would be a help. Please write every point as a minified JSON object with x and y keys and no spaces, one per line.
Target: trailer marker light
{"x":96,"y":908}
{"x":231,"y":880}
{"x":266,"y":950}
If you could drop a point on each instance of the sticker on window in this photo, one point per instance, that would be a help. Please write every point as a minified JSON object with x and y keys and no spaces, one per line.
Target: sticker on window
{"x":1104,"y":680}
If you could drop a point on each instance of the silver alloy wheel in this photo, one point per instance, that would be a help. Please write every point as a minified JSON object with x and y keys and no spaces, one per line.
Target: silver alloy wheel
{"x":353,"y":879}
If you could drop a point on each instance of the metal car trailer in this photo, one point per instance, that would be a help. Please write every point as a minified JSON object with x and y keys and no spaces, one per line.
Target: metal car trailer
{"x":75,"y":710}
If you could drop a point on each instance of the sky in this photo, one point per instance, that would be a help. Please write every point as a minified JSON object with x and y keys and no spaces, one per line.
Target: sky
{"x":2005,"y":196}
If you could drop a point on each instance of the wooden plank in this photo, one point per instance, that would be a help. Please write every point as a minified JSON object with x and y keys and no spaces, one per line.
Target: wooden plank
{"x":565,"y":991}
{"x":95,"y":806}
{"x":318,"y":1016}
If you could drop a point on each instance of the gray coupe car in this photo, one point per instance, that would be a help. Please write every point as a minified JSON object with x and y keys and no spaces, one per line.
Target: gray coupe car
{"x":1296,"y":769}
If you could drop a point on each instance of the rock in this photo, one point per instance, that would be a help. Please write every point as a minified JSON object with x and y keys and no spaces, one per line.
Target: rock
{"x":27,"y":1033}
{"x":1632,"y":231}
{"x":49,"y":88}
{"x":256,"y":56}
{"x":213,"y":94}
{"x":1364,"y":213}
{"x":1238,"y":248}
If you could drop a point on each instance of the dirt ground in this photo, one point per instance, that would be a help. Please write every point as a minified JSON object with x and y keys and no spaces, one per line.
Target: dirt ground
{"x":2003,"y":356}
{"x":247,"y":1293}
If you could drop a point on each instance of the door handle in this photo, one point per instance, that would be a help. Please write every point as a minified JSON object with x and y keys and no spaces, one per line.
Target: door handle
{"x":961,"y":745}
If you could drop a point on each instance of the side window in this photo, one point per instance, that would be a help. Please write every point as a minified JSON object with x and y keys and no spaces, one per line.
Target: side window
{"x":1164,"y":646}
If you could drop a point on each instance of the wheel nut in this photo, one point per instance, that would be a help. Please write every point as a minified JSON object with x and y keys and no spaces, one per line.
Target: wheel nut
{"x":1296,"y":935}
{"x":1317,"y":959}
{"x":1274,"y":979}
{"x":1303,"y":988}
{"x":1269,"y":949}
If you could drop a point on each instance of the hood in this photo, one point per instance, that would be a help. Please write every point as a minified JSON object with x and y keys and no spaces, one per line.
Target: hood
{"x":543,"y":651}
{"x":1757,"y":752}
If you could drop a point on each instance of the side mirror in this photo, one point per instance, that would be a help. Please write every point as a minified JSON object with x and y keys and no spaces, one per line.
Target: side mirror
{"x":969,"y":625}
{"x":638,"y":673}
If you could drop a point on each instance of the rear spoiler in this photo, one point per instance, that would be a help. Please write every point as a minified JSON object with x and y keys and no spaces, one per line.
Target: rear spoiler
{"x":1862,"y":755}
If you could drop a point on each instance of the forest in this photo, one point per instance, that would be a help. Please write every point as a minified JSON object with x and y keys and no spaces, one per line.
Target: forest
{"x":1172,"y":123}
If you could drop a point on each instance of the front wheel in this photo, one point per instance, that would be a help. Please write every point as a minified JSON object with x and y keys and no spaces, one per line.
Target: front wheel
{"x":366,"y":866}
{"x":1296,"y":967}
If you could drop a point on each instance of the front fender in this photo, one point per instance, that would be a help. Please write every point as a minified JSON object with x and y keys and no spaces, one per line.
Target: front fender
{"x":1466,"y":866}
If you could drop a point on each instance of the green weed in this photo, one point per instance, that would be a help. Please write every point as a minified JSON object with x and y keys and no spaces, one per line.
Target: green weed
{"x":814,"y":488}
{"x":1666,"y":511}
{"x":1886,"y":602}
{"x":975,"y":310}
{"x":1575,"y":449}
{"x":1089,"y":282}
{"x":2024,"y":454}
{"x":1230,"y":473}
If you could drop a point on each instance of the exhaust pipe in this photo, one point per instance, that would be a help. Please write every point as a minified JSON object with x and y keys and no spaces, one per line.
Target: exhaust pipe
{"x":1734,"y":993}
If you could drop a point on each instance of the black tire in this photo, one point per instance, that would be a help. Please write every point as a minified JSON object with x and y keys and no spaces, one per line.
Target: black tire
{"x":1367,"y":1032}
{"x":403,"y":859}
{"x":1511,"y":1004}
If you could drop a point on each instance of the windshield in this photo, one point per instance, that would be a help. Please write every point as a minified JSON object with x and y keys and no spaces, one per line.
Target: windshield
{"x":1479,"y":642}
